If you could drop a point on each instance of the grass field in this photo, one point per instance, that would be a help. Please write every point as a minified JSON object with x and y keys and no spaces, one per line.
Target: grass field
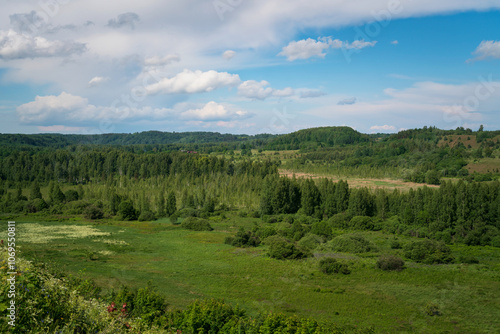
{"x":371,"y":183}
{"x":187,"y":265}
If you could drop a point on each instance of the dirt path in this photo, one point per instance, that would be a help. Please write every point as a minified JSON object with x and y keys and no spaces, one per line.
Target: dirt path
{"x":362,"y":182}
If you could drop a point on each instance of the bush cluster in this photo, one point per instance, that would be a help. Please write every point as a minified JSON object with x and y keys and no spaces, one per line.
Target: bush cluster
{"x":351,"y":243}
{"x":390,"y":262}
{"x":332,"y":266}
{"x":428,"y":251}
{"x":282,"y":248}
{"x":196,"y":224}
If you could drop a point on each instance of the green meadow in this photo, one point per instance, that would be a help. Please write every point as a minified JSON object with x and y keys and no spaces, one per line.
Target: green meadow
{"x":187,"y":265}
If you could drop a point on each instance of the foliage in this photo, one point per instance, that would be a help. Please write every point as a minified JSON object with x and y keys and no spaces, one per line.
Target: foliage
{"x":281,"y":248}
{"x":93,"y":212}
{"x":196,"y":224}
{"x":351,"y":243}
{"x":390,"y":262}
{"x":243,"y":239}
{"x":146,"y":216}
{"x":127,"y":211}
{"x":428,"y":251}
{"x":332,"y":266}
{"x":310,"y":242}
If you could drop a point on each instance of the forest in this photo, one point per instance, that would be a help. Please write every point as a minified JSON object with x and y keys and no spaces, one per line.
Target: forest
{"x":235,"y":206}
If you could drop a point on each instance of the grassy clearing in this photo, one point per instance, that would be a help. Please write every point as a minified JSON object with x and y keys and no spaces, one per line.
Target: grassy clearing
{"x":371,"y":183}
{"x":187,"y":265}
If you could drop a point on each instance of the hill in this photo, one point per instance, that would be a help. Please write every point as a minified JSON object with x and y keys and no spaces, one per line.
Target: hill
{"x":317,"y":137}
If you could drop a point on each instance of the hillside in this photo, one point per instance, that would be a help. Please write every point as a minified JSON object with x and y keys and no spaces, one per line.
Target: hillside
{"x":317,"y":137}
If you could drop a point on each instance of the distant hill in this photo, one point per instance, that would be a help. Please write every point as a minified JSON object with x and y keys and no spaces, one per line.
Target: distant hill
{"x":317,"y":137}
{"x":140,"y":138}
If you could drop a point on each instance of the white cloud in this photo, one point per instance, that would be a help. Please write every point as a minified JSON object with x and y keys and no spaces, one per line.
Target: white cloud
{"x":350,"y":100}
{"x":68,"y":109}
{"x":307,"y":48}
{"x":304,"y":49}
{"x":213,"y":111}
{"x":125,"y":19}
{"x":259,"y":91}
{"x":188,"y":82}
{"x":228,"y":54}
{"x":96,"y":81}
{"x":385,"y":128}
{"x":14,"y":45}
{"x":162,"y":61}
{"x":395,"y":42}
{"x":487,"y":49}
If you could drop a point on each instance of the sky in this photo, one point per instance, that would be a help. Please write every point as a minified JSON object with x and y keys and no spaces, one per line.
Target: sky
{"x":246,"y":66}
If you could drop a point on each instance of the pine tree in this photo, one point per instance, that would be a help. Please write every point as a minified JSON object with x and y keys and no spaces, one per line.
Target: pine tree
{"x":171,"y":204}
{"x":35,"y":191}
{"x":160,"y":204}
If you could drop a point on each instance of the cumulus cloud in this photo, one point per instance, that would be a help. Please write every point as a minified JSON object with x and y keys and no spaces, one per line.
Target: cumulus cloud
{"x":189,"y":82}
{"x":124,"y":20}
{"x":304,"y":49}
{"x":213,"y":111}
{"x":307,"y":48}
{"x":96,"y":81}
{"x":14,"y":45}
{"x":228,"y":54}
{"x":68,"y":109}
{"x":259,"y":91}
{"x":395,"y":42}
{"x":347,"y":101}
{"x":487,"y":49}
{"x":384,"y":128}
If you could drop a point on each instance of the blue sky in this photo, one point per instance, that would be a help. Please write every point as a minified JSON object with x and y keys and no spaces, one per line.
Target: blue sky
{"x":247,"y":66}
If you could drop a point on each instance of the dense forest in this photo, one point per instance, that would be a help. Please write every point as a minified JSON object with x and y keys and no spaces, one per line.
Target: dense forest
{"x":196,"y":180}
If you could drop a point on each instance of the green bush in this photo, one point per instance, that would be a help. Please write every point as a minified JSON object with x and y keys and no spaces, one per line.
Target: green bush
{"x":127,"y":211}
{"x":395,"y":244}
{"x":331,"y":266}
{"x":351,"y":243}
{"x":281,"y":248}
{"x":361,"y":223}
{"x":469,"y":259}
{"x":428,"y":251}
{"x":244,"y":239}
{"x":146,"y":216}
{"x":390,"y":262}
{"x":93,"y":212}
{"x":196,"y":224}
{"x":71,"y":195}
{"x":310,"y":241}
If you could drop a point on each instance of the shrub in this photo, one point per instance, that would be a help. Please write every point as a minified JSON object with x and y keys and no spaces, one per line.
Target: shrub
{"x":146,"y":216}
{"x":244,"y":239}
{"x":428,"y":251}
{"x":127,"y":211}
{"x":468,"y":259}
{"x":390,"y":262}
{"x":196,"y":224}
{"x":93,"y":212}
{"x":432,"y":309}
{"x":322,"y":228}
{"x":395,"y":244}
{"x":331,"y":266}
{"x":71,"y":195}
{"x":361,"y":223}
{"x":281,"y":248}
{"x":310,"y":241}
{"x":351,"y":243}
